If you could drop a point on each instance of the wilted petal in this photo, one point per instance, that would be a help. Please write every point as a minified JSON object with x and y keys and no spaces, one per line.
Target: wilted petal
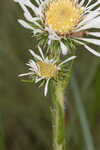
{"x":63,"y":48}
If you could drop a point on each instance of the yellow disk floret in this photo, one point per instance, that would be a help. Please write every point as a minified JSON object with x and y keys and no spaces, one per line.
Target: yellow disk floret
{"x":63,"y":15}
{"x":47,"y":70}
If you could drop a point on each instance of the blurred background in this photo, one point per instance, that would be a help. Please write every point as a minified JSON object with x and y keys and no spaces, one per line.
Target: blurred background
{"x":25,"y":119}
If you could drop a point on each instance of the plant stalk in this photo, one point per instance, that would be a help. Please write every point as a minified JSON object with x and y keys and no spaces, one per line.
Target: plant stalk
{"x":59,"y":105}
{"x":58,"y":115}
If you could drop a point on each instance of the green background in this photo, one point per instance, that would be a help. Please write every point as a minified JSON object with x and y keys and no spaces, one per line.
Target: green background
{"x":25,"y":121}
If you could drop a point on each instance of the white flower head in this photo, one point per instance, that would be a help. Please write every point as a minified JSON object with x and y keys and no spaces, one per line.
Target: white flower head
{"x":64,"y":19}
{"x":43,"y":68}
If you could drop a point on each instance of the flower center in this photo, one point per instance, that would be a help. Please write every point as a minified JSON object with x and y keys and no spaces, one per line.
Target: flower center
{"x":63,"y":15}
{"x":47,"y":70}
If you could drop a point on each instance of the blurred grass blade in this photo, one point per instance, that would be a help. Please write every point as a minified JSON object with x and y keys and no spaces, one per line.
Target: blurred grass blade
{"x":82,"y":115}
{"x":2,"y":144}
{"x":89,"y":77}
{"x":96,"y":102}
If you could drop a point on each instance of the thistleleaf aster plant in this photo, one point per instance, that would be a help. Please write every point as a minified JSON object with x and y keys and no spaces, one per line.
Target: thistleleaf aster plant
{"x":59,"y":24}
{"x":43,"y":68}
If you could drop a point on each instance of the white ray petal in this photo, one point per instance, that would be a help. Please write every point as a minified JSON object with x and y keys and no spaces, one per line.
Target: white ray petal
{"x":89,"y":1}
{"x":39,"y":79}
{"x":82,"y":2}
{"x":47,"y":60}
{"x":76,"y":1}
{"x":77,"y":41}
{"x":28,"y":3}
{"x":52,"y":34}
{"x":22,"y":4}
{"x":63,"y":48}
{"x":49,"y":42}
{"x":93,"y":5}
{"x":98,"y":9}
{"x":51,"y":60}
{"x":41,"y":1}
{"x":94,"y":23}
{"x":52,"y":37}
{"x":49,"y":29}
{"x":32,"y":6}
{"x":93,"y":41}
{"x":41,"y":84}
{"x":36,"y":10}
{"x":22,"y":1}
{"x":37,"y":31}
{"x":28,"y":17}
{"x":17,"y":1}
{"x":46,"y":87}
{"x":54,"y":61}
{"x":25,"y":24}
{"x":32,"y":69}
{"x":35,"y":55}
{"x":37,"y":1}
{"x":40,"y":50}
{"x":88,"y":48}
{"x":25,"y":74}
{"x":89,"y":17}
{"x":32,"y":64}
{"x":92,"y":50}
{"x":66,"y":60}
{"x":96,"y":34}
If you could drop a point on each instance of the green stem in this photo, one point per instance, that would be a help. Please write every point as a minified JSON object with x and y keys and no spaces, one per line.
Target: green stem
{"x":59,"y":94}
{"x":58,"y":118}
{"x":60,"y":103}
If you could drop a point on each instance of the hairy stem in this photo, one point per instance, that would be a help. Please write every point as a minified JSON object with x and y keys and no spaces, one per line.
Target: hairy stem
{"x":59,"y":105}
{"x":58,"y":118}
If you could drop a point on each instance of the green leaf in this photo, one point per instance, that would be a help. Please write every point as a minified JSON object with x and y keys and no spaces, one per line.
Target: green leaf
{"x":28,"y":81}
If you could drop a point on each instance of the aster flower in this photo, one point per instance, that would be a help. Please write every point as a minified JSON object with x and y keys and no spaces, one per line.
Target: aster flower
{"x":63,"y":22}
{"x":43,"y":69}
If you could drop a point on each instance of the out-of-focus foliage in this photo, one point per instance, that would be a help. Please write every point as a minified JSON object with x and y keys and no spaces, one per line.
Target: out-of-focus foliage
{"x":23,"y":108}
{"x":25,"y":121}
